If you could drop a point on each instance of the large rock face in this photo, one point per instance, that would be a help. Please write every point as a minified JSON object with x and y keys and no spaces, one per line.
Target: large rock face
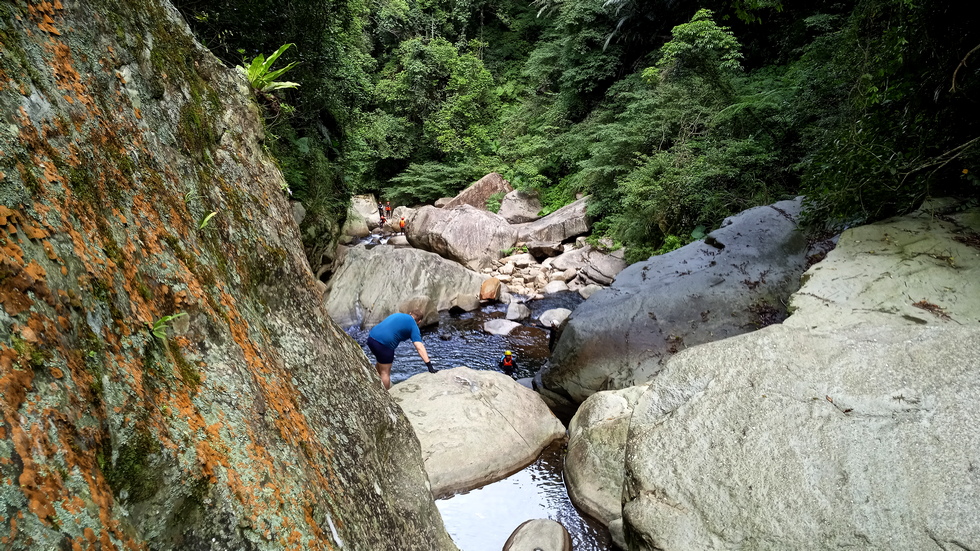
{"x":923,"y":268}
{"x":787,"y":438}
{"x":561,"y":225}
{"x":466,"y":234}
{"x":120,"y":424}
{"x":374,"y":283}
{"x":519,"y":206}
{"x":475,"y":427}
{"x":696,"y":294}
{"x":478,"y":192}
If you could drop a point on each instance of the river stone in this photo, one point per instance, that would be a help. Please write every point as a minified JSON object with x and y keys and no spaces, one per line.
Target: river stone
{"x":398,"y":241}
{"x":555,"y":287}
{"x":467,"y":302}
{"x":865,"y":437}
{"x":490,"y":289}
{"x":517,"y":311}
{"x":922,"y":268}
{"x":442,"y":202}
{"x":594,"y":265}
{"x":596,"y":450}
{"x":520,"y":206}
{"x":475,"y":427}
{"x":478,"y":192}
{"x":539,"y":535}
{"x":470,"y":236}
{"x":371,"y":283}
{"x":500,"y":326}
{"x":540,"y":249}
{"x":563,"y":224}
{"x":554,"y":317}
{"x":589,"y":290}
{"x":698,"y":293}
{"x":249,"y":422}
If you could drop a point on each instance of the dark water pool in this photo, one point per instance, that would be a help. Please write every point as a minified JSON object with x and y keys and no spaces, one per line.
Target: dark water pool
{"x":484,"y":518}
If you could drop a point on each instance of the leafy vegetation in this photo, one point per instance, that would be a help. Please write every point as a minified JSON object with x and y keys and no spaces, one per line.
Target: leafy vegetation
{"x":670,"y":117}
{"x":261,"y":76}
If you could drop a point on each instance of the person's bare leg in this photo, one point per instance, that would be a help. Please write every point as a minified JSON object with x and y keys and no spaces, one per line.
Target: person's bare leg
{"x":385,"y":371}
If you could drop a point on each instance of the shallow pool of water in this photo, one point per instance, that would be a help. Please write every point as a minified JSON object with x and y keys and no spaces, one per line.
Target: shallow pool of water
{"x":484,"y":518}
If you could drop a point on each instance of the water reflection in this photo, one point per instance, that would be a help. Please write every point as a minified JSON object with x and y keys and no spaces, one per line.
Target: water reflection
{"x":483,"y":519}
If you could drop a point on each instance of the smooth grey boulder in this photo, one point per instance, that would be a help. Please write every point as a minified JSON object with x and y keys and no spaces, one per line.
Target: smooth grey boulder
{"x":918,"y":269}
{"x":563,"y":224}
{"x":554,"y":317}
{"x":729,"y":284}
{"x":373,"y":283}
{"x":556,"y":286}
{"x":467,"y":302}
{"x":592,"y":265}
{"x":520,"y":206}
{"x":539,"y":535}
{"x":470,"y":236}
{"x":500,"y":326}
{"x":478,"y":192}
{"x":589,"y":290}
{"x":596,"y":451}
{"x":398,"y":241}
{"x":517,"y":311}
{"x":475,"y":427}
{"x":865,"y":437}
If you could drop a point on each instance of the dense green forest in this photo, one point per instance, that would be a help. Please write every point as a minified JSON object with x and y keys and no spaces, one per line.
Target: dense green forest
{"x":670,"y":114}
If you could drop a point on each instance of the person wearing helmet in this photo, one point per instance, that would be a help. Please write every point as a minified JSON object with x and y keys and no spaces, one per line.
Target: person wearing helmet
{"x":401,"y":225}
{"x":507,"y":363}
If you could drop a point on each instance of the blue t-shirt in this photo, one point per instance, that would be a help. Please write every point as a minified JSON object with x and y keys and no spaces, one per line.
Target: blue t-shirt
{"x":395,"y":329}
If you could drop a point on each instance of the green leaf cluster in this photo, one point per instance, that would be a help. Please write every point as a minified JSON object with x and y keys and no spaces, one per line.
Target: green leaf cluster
{"x":261,"y":76}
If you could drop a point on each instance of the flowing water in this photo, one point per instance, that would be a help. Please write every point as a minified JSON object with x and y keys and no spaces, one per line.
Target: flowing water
{"x":483,"y":519}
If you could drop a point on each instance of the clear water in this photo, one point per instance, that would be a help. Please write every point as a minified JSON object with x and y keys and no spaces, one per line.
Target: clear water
{"x":484,"y":518}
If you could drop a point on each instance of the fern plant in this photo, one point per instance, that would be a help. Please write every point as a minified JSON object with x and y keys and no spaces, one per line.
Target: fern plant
{"x":262,"y":77}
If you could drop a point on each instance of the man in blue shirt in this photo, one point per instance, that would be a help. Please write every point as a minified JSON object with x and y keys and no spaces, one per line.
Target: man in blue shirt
{"x":385,"y":337}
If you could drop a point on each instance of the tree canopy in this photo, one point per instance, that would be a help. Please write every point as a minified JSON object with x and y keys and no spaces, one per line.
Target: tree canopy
{"x":670,"y":115}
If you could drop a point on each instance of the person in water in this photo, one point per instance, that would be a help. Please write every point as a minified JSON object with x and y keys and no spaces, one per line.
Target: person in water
{"x":384,"y":338}
{"x":507,"y":363}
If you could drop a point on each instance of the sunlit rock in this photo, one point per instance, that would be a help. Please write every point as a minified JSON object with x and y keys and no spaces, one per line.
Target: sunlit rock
{"x":475,"y":427}
{"x":371,"y":284}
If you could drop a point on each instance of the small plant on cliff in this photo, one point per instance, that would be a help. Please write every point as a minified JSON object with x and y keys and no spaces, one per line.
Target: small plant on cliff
{"x":159,"y":327}
{"x":205,"y":220}
{"x":262,"y":77}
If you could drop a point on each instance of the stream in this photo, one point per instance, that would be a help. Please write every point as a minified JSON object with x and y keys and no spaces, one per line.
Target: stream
{"x":482,"y":519}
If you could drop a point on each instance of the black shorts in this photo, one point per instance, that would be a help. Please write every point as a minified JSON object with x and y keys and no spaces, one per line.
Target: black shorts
{"x":382,"y":353}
